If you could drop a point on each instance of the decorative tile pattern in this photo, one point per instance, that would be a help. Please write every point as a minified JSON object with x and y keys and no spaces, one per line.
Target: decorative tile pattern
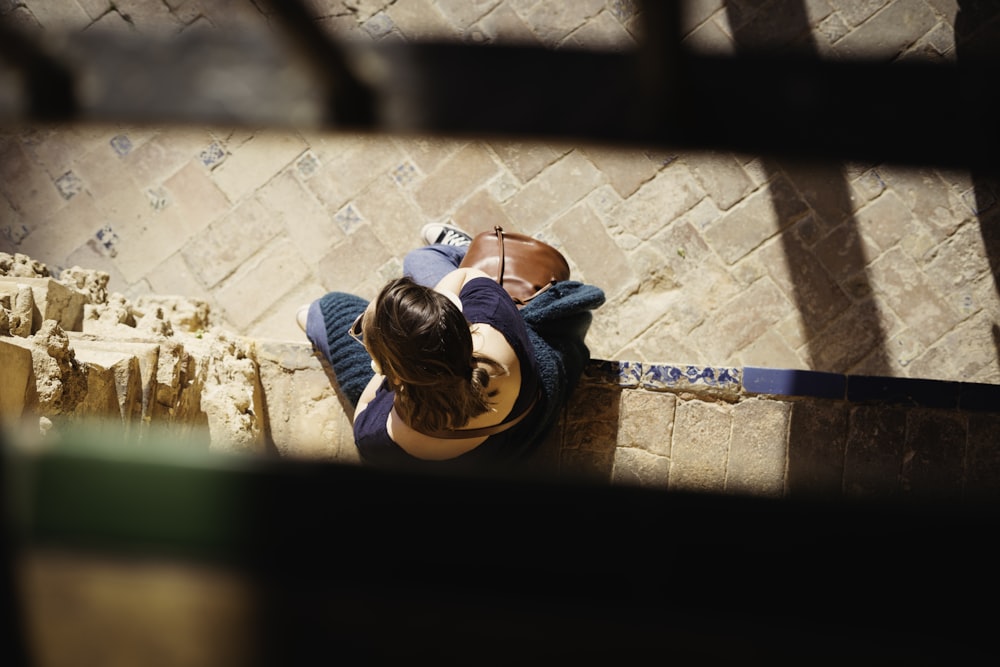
{"x":121,"y":144}
{"x":660,"y":377}
{"x":307,"y":165}
{"x":348,"y":219}
{"x":871,"y":184}
{"x":14,"y":233}
{"x":404,"y":174}
{"x":623,"y":10}
{"x":620,"y":373}
{"x":158,"y":198}
{"x":661,"y":159}
{"x":379,"y":25}
{"x":979,"y":200}
{"x":107,"y":241}
{"x":663,"y":377}
{"x":912,"y":392}
{"x":213,"y":155}
{"x":69,"y":185}
{"x":967,"y":304}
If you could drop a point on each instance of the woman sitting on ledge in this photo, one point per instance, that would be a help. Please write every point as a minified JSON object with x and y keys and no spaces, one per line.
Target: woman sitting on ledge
{"x":443,"y":369}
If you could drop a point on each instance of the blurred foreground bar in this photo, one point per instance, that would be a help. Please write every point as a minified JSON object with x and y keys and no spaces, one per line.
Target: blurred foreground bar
{"x":656,"y":95}
{"x":127,"y":554}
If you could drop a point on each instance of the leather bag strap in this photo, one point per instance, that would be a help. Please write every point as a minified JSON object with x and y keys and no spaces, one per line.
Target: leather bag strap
{"x":509,"y":422}
{"x":499,"y":232}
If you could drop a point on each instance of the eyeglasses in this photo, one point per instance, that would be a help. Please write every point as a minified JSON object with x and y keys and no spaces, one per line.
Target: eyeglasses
{"x":356,"y":331}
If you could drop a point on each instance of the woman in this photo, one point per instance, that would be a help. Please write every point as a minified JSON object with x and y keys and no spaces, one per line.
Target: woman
{"x":455,"y":377}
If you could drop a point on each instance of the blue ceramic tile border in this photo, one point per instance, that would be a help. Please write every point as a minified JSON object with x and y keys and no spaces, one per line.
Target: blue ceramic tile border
{"x":621,"y":373}
{"x":912,"y":392}
{"x":659,"y":377}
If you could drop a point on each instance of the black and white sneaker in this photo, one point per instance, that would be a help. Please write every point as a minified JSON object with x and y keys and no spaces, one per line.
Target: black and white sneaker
{"x":436,"y":233}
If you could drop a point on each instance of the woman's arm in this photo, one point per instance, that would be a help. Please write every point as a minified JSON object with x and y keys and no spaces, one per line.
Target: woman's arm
{"x":454,"y":282}
{"x":368,"y":394}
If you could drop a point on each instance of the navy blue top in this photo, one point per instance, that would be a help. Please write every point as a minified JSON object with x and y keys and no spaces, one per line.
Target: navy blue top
{"x":483,"y":302}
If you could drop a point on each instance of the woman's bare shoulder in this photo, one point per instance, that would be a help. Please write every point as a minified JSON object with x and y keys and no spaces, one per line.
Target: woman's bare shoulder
{"x":490,"y":342}
{"x":426,"y":447}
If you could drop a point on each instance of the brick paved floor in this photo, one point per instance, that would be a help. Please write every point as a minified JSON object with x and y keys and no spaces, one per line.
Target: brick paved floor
{"x":706,"y":258}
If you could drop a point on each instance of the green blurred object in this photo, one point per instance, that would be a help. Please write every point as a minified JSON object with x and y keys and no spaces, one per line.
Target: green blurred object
{"x":90,"y":491}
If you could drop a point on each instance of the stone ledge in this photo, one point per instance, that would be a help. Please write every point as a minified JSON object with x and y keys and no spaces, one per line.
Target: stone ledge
{"x":732,"y":383}
{"x":911,"y":392}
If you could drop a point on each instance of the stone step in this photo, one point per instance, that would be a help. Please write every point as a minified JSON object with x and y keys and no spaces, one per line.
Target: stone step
{"x":740,"y":431}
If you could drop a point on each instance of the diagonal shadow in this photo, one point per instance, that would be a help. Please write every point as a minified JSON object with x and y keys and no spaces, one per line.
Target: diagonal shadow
{"x":977,"y":36}
{"x":823,"y":248}
{"x":853,"y":337}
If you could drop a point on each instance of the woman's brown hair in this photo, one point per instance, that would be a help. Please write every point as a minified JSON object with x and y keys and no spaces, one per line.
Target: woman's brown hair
{"x":422,"y":342}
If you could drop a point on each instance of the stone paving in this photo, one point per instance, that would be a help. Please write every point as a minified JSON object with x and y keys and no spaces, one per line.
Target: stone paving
{"x":707,"y":258}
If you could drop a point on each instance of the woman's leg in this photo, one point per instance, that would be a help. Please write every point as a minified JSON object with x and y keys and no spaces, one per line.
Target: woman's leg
{"x":327,"y":323}
{"x":429,"y":264}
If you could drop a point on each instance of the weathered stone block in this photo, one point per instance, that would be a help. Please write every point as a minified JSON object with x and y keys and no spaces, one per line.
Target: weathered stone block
{"x":722,"y":176}
{"x":388,"y":211}
{"x":887,"y":33}
{"x":646,"y":421}
{"x":15,"y":380}
{"x":934,"y":454}
{"x":146,"y":354}
{"x":258,"y":284}
{"x":552,"y":22}
{"x":887,"y":220}
{"x":552,"y":192}
{"x":795,"y":269}
{"x":254,"y":162}
{"x":586,"y":241}
{"x":817,"y":436}
{"x":669,"y":195}
{"x":525,"y":160}
{"x":455,"y":179}
{"x":858,"y":335}
{"x":586,"y":465}
{"x":52,"y":301}
{"x":757,"y":453}
{"x":291,"y":203}
{"x":873,"y":459}
{"x":626,"y":169}
{"x":757,"y":218}
{"x":305,"y":416}
{"x":231,"y":396}
{"x":700,"y":447}
{"x":638,"y":467}
{"x":905,"y":289}
{"x":60,"y":15}
{"x":227,"y":243}
{"x":420,"y":20}
{"x":982,"y":464}
{"x":99,"y":404}
{"x":743,"y":319}
{"x":114,"y":384}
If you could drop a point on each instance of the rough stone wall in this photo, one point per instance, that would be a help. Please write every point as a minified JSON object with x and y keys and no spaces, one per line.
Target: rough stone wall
{"x":74,"y":355}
